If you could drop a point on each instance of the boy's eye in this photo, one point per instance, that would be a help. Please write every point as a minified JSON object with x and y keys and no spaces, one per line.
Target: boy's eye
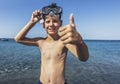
{"x":55,"y":21}
{"x":52,"y":21}
{"x":47,"y":21}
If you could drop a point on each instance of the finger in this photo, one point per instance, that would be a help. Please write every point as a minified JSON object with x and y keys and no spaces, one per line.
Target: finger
{"x":63,"y":28}
{"x":64,"y":31}
{"x":35,"y":12}
{"x":66,"y":36}
{"x":68,"y":40}
{"x":38,"y":12}
{"x":71,"y":20}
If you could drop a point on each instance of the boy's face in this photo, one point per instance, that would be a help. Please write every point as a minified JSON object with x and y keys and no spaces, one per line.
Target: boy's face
{"x":52,"y":25}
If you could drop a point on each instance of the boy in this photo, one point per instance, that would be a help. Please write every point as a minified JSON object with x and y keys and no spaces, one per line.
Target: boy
{"x":55,"y":46}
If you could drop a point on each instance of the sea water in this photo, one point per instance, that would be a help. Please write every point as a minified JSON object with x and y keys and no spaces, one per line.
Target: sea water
{"x":20,"y":64}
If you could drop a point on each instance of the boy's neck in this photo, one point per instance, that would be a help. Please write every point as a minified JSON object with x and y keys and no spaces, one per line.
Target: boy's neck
{"x":52,"y":38}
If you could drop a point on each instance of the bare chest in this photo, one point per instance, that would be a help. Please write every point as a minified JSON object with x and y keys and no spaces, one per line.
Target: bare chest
{"x":53,"y":51}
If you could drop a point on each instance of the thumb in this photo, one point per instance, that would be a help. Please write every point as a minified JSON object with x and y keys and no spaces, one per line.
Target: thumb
{"x":71,"y":20}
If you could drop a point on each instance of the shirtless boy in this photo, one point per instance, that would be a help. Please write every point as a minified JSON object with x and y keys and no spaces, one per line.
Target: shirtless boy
{"x":55,"y":46}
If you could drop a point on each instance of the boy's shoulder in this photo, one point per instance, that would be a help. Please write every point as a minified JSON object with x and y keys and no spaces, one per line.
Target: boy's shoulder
{"x":39,"y":39}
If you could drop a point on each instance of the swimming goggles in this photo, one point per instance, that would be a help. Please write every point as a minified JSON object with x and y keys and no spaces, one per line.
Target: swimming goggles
{"x":51,"y":8}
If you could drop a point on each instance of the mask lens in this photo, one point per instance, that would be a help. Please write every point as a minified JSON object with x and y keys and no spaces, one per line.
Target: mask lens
{"x":46,"y":10}
{"x":56,"y":10}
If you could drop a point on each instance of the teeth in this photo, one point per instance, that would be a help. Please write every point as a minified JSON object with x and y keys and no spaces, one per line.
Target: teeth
{"x":51,"y":29}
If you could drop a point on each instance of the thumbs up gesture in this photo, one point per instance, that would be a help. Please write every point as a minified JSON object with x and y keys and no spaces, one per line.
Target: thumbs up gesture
{"x":68,"y":33}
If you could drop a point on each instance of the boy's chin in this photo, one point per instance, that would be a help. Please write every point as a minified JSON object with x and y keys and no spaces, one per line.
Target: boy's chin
{"x":52,"y":33}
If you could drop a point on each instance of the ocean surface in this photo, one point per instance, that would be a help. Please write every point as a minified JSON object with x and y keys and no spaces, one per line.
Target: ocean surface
{"x":20,"y":64}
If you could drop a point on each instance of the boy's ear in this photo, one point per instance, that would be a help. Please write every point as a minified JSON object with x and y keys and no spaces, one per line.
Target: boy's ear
{"x":43,"y":24}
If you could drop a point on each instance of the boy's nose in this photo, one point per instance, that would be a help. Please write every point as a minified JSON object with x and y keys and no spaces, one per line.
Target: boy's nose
{"x":51,"y":23}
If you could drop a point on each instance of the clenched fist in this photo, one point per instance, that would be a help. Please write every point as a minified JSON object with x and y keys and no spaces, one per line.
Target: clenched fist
{"x":69,"y":33}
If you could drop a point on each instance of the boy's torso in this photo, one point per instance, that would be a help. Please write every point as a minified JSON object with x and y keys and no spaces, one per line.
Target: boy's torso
{"x":53,"y":55}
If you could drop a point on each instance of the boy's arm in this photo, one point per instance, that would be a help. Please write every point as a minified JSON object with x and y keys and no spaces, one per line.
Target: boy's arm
{"x":21,"y":36}
{"x":78,"y":49}
{"x":73,"y":41}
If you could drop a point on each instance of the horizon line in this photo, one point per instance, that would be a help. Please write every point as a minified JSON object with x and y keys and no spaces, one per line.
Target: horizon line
{"x":83,"y":39}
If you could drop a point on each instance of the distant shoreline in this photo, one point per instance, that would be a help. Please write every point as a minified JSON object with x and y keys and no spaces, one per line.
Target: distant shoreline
{"x":84,"y":39}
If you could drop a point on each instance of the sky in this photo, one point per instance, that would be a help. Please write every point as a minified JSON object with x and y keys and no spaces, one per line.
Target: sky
{"x":94,"y":19}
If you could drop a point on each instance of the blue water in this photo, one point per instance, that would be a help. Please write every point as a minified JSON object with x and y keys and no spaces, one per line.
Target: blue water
{"x":20,"y":64}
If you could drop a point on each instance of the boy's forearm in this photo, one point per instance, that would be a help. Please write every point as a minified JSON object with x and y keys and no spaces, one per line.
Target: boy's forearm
{"x":83,"y":50}
{"x":24,"y":31}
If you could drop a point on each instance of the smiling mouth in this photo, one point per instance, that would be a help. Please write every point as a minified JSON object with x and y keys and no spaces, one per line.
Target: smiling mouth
{"x":51,"y":29}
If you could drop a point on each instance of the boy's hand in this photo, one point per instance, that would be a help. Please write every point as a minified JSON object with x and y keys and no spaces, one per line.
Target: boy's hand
{"x":69,"y":34}
{"x":36,"y":16}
